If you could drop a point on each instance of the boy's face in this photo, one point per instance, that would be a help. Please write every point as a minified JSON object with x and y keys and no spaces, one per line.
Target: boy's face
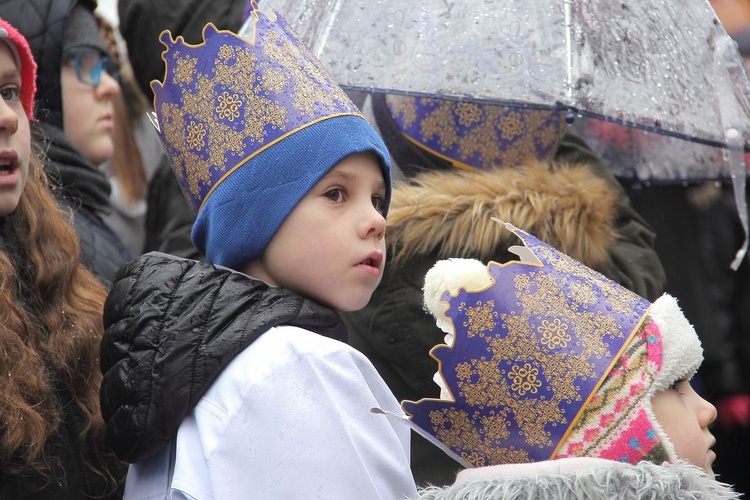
{"x":685,"y":417}
{"x":331,"y":248}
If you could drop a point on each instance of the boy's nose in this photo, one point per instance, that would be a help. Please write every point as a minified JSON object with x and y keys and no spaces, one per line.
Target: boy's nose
{"x":374,"y":223}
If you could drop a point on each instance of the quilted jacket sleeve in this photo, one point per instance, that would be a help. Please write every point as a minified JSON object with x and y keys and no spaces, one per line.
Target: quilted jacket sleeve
{"x":143,"y":355}
{"x":172,"y":325}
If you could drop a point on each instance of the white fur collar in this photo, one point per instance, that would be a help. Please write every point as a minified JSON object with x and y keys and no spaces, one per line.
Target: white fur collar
{"x":583,"y":478}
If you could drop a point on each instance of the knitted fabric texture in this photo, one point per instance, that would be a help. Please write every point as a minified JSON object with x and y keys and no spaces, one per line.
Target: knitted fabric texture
{"x":618,"y":422}
{"x":81,"y":30}
{"x":25,"y":62}
{"x":250,"y":124}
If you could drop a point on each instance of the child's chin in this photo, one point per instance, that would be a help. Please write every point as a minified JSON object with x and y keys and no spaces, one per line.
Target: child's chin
{"x":352,"y":308}
{"x":349,"y":304}
{"x":710,"y":471}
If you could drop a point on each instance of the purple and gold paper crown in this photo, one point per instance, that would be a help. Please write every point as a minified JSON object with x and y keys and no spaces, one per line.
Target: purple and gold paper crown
{"x":229,"y":99}
{"x":250,"y":124}
{"x":531,"y":347}
{"x":478,"y":136}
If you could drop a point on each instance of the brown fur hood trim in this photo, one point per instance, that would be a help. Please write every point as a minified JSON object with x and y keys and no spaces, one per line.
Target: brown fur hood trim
{"x":566,"y":206}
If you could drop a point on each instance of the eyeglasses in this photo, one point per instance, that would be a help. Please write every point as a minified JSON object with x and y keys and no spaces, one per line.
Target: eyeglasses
{"x":89,"y":62}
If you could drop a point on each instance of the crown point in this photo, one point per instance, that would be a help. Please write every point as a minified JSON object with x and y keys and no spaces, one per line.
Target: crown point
{"x":166,"y":39}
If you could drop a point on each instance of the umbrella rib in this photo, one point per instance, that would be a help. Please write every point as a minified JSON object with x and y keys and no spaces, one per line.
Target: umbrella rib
{"x":317,"y":49}
{"x":569,"y":49}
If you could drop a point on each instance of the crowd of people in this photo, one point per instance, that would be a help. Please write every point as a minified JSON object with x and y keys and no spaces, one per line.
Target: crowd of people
{"x":222,"y":276}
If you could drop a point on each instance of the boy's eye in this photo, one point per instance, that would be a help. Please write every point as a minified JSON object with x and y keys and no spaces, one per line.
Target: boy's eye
{"x":676,"y":386}
{"x":335,"y":194}
{"x":10,"y":93}
{"x":379,"y":204}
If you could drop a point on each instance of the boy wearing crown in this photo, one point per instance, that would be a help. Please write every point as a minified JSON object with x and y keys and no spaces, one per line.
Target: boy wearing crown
{"x":229,"y":379}
{"x":557,"y":383}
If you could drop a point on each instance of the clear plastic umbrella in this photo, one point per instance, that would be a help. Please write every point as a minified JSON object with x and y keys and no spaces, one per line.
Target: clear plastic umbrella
{"x":665,"y":68}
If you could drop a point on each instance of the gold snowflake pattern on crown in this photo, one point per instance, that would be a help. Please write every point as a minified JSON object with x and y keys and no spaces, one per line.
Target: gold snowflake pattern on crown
{"x":529,"y":351}
{"x":478,"y":136}
{"x":226,"y":100}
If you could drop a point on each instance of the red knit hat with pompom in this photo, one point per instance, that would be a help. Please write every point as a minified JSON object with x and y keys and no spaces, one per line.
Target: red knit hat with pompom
{"x":25,"y":61}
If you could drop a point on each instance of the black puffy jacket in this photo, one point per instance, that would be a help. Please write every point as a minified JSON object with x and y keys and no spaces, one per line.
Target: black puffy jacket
{"x":172,"y":325}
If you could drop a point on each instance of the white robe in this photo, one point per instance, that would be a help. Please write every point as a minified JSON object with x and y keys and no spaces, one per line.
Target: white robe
{"x":288,"y":418}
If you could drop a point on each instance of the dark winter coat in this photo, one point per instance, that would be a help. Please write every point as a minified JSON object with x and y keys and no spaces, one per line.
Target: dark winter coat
{"x":724,"y":325}
{"x":575,"y":207}
{"x":169,"y":218}
{"x":81,"y":188}
{"x":172,"y":325}
{"x":71,"y":473}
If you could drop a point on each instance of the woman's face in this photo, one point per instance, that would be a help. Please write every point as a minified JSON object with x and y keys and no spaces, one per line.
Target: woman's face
{"x":88,"y":113}
{"x":15,"y":137}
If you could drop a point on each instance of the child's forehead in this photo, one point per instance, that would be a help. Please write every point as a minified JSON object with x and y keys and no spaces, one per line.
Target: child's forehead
{"x":8,"y":49}
{"x":358,"y":166}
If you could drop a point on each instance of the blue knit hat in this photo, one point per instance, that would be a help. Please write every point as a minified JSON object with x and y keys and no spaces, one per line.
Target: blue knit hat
{"x":250,"y":125}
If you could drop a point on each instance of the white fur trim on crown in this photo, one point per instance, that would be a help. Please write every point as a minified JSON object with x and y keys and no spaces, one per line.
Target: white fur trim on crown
{"x":450,"y":275}
{"x":683,"y":353}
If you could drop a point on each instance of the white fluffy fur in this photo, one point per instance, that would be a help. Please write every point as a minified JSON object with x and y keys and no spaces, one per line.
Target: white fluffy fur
{"x":683,"y":353}
{"x":449,"y":276}
{"x":599,"y":480}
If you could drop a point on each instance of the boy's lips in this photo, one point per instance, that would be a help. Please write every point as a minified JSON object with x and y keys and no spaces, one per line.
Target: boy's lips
{"x":372,"y":263}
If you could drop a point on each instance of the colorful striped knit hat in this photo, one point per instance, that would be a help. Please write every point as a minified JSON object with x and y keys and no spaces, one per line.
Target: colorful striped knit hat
{"x":546,"y":358}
